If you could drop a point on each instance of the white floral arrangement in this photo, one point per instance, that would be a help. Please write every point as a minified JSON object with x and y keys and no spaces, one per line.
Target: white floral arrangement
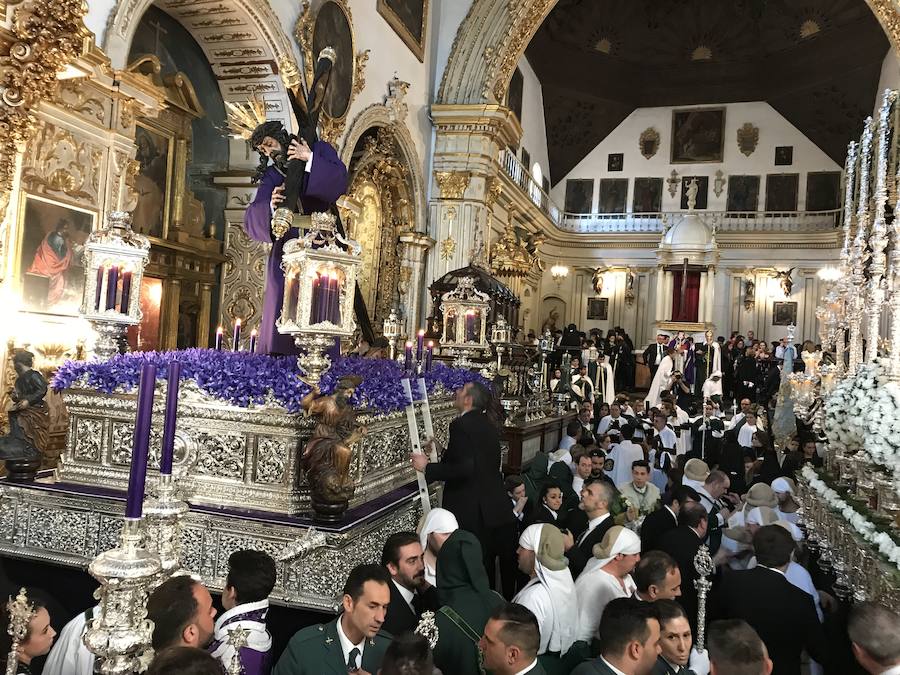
{"x":864,"y":527}
{"x":862,"y":413}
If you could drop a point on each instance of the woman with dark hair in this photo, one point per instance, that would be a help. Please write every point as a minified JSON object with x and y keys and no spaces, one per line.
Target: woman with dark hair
{"x":549,"y":508}
{"x":25,"y":632}
{"x":408,"y":654}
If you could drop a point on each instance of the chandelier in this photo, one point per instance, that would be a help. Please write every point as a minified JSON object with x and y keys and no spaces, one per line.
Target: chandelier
{"x":559,"y":272}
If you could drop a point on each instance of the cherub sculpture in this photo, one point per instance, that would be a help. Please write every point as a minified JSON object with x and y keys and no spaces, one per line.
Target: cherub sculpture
{"x":597,"y":280}
{"x":784,"y":278}
{"x":327,"y":455}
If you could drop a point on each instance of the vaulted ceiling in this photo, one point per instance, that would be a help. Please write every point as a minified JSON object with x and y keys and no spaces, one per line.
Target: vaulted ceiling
{"x":817,"y":62}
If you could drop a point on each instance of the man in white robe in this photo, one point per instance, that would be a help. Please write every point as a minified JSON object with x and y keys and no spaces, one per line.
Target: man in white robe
{"x":550,"y":593}
{"x":604,"y":384}
{"x":606,"y":577}
{"x":662,"y":379}
{"x":621,"y":456}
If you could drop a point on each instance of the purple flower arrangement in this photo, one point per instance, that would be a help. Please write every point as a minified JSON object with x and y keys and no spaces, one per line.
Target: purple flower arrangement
{"x":244,"y":379}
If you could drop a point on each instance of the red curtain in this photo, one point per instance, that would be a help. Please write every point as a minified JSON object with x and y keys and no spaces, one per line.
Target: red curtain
{"x":688,"y":310}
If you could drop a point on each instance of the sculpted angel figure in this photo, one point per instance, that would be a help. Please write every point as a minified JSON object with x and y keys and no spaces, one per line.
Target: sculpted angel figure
{"x":327,"y":455}
{"x":597,"y":280}
{"x":784,"y":278}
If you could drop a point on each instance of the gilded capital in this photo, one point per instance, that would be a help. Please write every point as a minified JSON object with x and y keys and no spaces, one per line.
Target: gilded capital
{"x":452,"y":184}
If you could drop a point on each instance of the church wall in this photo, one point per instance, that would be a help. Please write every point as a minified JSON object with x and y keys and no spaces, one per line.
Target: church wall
{"x":534,"y":130}
{"x":774,"y":130}
{"x":890,"y":78}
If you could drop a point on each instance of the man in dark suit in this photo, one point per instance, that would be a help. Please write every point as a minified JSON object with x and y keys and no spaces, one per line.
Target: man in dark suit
{"x":510,"y":641}
{"x":783,"y":615}
{"x":682,"y":544}
{"x":596,"y":496}
{"x":630,"y":641}
{"x":470,"y":469}
{"x":654,"y":353}
{"x":410,"y":594}
{"x":734,"y":647}
{"x":665,"y":518}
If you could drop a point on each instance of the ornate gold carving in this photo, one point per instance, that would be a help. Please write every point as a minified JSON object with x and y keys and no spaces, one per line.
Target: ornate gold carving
{"x":648,"y":143}
{"x":74,"y":96}
{"x":515,"y":253}
{"x":719,"y":183}
{"x":396,"y":100}
{"x":62,"y":163}
{"x":359,"y":73}
{"x":448,"y":248}
{"x":452,"y":184}
{"x":747,"y":138}
{"x":47,"y":34}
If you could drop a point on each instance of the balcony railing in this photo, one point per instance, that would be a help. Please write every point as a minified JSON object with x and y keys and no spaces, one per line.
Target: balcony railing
{"x":724,"y":221}
{"x":521,"y":176}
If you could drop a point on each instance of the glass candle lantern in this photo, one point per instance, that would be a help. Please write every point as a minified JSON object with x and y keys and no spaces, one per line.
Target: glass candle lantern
{"x":465,"y":311}
{"x":114,"y":262}
{"x":320,"y":272}
{"x":391,"y":331}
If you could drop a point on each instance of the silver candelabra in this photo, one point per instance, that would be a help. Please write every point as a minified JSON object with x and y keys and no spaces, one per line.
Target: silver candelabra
{"x":162,"y":524}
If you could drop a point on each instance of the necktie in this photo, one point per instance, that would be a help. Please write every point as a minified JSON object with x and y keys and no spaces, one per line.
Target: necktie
{"x":353,"y":660}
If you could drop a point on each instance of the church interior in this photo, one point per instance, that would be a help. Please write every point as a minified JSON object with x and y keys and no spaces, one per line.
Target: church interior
{"x":249,"y":249}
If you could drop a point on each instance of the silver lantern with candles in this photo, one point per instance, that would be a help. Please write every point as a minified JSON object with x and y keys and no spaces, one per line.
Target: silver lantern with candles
{"x":391,"y":331}
{"x":465,"y":311}
{"x":320,"y":271}
{"x":114,"y":261}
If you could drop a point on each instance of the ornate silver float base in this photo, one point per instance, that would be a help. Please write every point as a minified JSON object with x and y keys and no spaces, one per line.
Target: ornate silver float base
{"x":163,"y":514}
{"x":71,"y":529}
{"x":109,"y":334}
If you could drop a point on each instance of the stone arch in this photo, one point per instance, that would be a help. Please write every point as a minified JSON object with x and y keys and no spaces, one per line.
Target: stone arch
{"x":493,"y":37}
{"x":238,"y":37}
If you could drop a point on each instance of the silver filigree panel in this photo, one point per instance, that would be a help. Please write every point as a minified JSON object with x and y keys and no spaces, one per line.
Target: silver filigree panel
{"x":221,"y":455}
{"x":271,"y":458}
{"x":88,"y":439}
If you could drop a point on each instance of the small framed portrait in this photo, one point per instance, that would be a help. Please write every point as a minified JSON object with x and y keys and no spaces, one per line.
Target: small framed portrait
{"x":613,"y":195}
{"x":698,"y":135}
{"x":598,"y":309}
{"x":781,"y":192}
{"x":49,"y":255}
{"x":579,"y":195}
{"x":702,"y":191}
{"x":615,"y":161}
{"x":784,"y":155}
{"x":155,"y":157}
{"x":647,"y":195}
{"x":408,"y":18}
{"x":784,"y":314}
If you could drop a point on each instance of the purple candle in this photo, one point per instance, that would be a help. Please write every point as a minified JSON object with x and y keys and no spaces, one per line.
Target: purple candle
{"x":140,"y":446}
{"x":335,"y":286}
{"x":168,"y":440}
{"x":219,"y":332}
{"x":470,"y":326}
{"x":292,"y":292}
{"x":325,"y":297}
{"x":407,"y":361}
{"x":126,"y":292}
{"x":101,"y":271}
{"x":253,"y":341}
{"x":429,"y":355}
{"x":420,"y":345}
{"x":112,"y":287}
{"x":314,"y":305}
{"x":236,"y":336}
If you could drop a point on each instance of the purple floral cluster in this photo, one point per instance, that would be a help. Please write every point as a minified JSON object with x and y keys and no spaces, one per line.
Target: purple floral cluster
{"x":244,"y":379}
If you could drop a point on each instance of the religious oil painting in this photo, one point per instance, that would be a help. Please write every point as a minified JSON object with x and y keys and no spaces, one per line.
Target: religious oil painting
{"x":702,"y":191}
{"x":598,"y":309}
{"x":784,"y":155}
{"x":579,"y":195}
{"x":408,"y":18}
{"x":50,"y":255}
{"x":333,"y":30}
{"x":784,"y":314}
{"x":647,"y":195}
{"x":823,"y":190}
{"x":615,"y":161}
{"x":144,"y":337}
{"x":781,"y":192}
{"x":155,"y":154}
{"x":743,"y":194}
{"x":698,"y":135}
{"x":613,"y":195}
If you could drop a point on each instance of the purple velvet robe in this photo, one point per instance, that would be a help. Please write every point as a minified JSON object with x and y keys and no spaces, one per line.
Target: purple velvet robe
{"x":326,"y":181}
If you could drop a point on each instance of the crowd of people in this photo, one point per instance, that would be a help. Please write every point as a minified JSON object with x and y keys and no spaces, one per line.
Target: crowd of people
{"x":584,"y":564}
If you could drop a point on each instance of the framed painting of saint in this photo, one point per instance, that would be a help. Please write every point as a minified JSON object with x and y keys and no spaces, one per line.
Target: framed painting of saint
{"x":49,"y":255}
{"x":155,"y":157}
{"x":784,"y":314}
{"x":408,"y":18}
{"x":647,"y":195}
{"x":579,"y":195}
{"x":698,"y":135}
{"x":613,"y":195}
{"x":598,"y":309}
{"x":781,"y":192}
{"x":743,"y":194}
{"x":823,"y":190}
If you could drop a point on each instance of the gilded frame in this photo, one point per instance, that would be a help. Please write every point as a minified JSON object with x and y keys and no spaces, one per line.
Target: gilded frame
{"x":16,"y":271}
{"x":169,"y":197}
{"x":417,"y":47}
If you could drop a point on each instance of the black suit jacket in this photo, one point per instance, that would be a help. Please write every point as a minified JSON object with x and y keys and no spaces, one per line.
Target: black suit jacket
{"x":655,"y":525}
{"x":400,"y":618}
{"x":783,"y":615}
{"x":470,"y":469}
{"x":650,"y":356}
{"x":682,"y":543}
{"x":579,"y":554}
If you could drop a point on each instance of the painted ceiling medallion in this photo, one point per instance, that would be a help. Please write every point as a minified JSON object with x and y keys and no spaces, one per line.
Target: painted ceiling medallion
{"x":603,"y":45}
{"x":701,"y":53}
{"x":809,"y":28}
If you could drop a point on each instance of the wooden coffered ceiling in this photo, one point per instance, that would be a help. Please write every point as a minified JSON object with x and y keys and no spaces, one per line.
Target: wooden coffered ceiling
{"x":817,"y":62}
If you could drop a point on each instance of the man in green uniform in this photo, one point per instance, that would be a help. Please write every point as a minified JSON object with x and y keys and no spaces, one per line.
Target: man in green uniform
{"x":354,"y":641}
